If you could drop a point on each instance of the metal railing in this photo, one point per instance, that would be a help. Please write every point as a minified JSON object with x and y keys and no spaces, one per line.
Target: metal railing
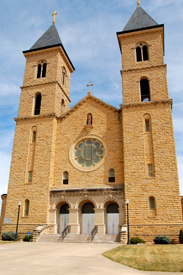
{"x":94,"y":232}
{"x":65,"y":231}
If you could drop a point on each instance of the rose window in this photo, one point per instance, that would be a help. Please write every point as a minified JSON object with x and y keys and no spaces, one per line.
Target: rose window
{"x":89,"y":152}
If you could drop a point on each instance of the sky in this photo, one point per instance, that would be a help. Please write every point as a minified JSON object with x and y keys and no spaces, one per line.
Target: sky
{"x":87,"y":29}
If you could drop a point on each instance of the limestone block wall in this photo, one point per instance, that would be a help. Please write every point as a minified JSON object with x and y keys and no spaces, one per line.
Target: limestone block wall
{"x":107,"y":126}
{"x":164,"y":185}
{"x":3,"y":207}
{"x":37,"y":191}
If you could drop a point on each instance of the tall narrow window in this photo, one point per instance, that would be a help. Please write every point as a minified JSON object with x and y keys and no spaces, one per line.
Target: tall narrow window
{"x":41,"y":69}
{"x":150,"y":170}
{"x":138,"y":54}
{"x":37,"y":105}
{"x":142,"y":52}
{"x":145,"y":53}
{"x":152,"y":205}
{"x":145,"y":92}
{"x":65,"y":178}
{"x":34,"y":136}
{"x":63,"y":76}
{"x":111,"y":175}
{"x":30,"y":176}
{"x":147,"y":125}
{"x":26,"y":208}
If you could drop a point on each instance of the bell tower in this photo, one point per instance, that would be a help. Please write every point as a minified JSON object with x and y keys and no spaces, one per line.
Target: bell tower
{"x":45,"y":96}
{"x":150,"y":166}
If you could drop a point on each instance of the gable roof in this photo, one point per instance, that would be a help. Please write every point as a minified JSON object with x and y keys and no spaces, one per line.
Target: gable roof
{"x":140,"y":19}
{"x":49,"y":39}
{"x":90,"y":96}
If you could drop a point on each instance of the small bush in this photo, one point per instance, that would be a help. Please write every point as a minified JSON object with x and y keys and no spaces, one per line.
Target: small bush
{"x":181,"y":236}
{"x":27,"y":238}
{"x":162,"y":240}
{"x":136,"y":240}
{"x":9,"y":236}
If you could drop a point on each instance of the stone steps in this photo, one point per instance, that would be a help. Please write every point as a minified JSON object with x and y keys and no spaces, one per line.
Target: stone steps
{"x":80,"y":238}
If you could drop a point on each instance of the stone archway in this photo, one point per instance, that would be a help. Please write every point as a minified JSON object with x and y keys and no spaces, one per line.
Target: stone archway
{"x":63,"y":217}
{"x":112,"y":218}
{"x":87,"y":217}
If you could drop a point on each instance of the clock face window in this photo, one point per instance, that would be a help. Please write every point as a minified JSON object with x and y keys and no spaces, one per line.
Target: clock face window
{"x":88,"y":152}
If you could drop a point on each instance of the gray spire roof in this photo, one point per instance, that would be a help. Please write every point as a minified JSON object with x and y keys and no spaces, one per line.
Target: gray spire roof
{"x":49,"y":39}
{"x":140,"y":19}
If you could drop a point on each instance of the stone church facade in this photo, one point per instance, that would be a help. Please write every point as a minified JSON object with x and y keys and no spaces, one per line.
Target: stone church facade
{"x":77,"y":166}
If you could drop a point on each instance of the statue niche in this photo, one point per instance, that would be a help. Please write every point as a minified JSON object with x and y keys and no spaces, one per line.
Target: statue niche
{"x":89,"y":119}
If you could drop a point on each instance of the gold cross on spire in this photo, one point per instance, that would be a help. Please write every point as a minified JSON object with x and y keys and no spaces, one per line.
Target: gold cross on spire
{"x":54,"y":16}
{"x":89,"y":85}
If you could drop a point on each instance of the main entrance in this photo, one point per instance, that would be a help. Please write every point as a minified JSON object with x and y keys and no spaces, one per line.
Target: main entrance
{"x":112,"y":219}
{"x":88,"y":218}
{"x":64,"y":217}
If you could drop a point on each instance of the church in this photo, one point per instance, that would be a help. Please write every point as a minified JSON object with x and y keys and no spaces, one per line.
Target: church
{"x":76,"y":170}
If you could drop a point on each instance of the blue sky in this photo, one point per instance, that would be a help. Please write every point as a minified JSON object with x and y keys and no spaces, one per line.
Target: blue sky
{"x":87,"y":29}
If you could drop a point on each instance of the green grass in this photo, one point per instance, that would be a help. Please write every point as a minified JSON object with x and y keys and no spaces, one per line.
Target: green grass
{"x":167,"y":258}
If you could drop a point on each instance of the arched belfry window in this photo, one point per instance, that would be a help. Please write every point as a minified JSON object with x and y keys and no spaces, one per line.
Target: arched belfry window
{"x":41,"y":69}
{"x":145,"y":92}
{"x":152,"y":204}
{"x":142,"y":52}
{"x":37,"y":104}
{"x":111,"y":175}
{"x":65,"y":177}
{"x":63,"y":75}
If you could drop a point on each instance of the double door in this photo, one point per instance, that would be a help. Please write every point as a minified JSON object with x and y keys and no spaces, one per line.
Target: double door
{"x":88,"y":221}
{"x":112,"y":223}
{"x":64,"y":220}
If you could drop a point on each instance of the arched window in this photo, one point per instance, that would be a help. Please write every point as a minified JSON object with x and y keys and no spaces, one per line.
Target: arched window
{"x":26,"y":208}
{"x":142,"y":52}
{"x":152,"y":204}
{"x":65,"y":178}
{"x":111,"y":175}
{"x":37,"y":105}
{"x":88,"y":208}
{"x":63,"y":75}
{"x":113,"y":208}
{"x":64,"y":209}
{"x":89,"y":119}
{"x":145,"y":92}
{"x":41,"y":69}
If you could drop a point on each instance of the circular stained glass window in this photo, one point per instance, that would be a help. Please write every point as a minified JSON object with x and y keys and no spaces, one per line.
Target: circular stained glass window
{"x":88,"y":152}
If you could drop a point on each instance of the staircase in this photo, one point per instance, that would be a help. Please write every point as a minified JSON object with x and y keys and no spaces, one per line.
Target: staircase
{"x":80,"y":238}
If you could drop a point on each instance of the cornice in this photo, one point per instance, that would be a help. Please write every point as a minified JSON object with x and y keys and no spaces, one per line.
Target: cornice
{"x":143,"y":69}
{"x":147,"y":103}
{"x":86,"y":192}
{"x":53,"y":115}
{"x":47,"y":83}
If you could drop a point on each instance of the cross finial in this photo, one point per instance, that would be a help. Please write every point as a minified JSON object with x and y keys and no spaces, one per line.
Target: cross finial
{"x":138,"y":3}
{"x":54,"y":16}
{"x":89,"y":85}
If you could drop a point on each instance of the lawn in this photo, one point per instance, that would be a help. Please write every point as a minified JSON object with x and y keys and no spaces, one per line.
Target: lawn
{"x":168,"y":258}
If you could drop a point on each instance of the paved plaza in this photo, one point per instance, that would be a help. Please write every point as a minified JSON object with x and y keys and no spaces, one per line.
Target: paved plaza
{"x":61,"y":258}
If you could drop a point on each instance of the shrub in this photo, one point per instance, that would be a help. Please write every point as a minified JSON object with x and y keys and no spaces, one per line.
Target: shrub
{"x":136,"y":240}
{"x":9,"y":236}
{"x":162,"y":240}
{"x":181,"y":236}
{"x":27,"y":238}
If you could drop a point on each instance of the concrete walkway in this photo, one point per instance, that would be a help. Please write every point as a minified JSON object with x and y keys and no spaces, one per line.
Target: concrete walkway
{"x":61,"y":258}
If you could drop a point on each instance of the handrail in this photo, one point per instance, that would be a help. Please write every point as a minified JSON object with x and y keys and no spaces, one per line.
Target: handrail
{"x":94,"y":232}
{"x":65,"y":231}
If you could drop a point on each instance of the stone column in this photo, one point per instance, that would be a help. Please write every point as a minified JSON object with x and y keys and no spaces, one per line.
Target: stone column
{"x":53,"y":220}
{"x":74,"y":220}
{"x":100,"y":220}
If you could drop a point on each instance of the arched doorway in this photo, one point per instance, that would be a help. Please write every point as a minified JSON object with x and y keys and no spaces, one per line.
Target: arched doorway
{"x":64,"y":217}
{"x":112,"y":218}
{"x":88,"y":218}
